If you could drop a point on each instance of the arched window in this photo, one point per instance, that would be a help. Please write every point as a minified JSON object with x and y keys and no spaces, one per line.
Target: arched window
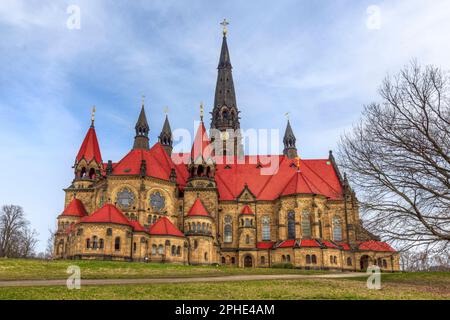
{"x":199,"y":227}
{"x":160,"y":249}
{"x":206,"y":256}
{"x":314,"y":259}
{"x":94,"y":242}
{"x":384,"y":263}
{"x":154,"y":247}
{"x":174,"y":250}
{"x":134,"y":246}
{"x":349,"y":261}
{"x":195,"y":244}
{"x":247,"y":223}
{"x":203,"y":227}
{"x":288,"y":258}
{"x":154,"y":219}
{"x":263,"y":260}
{"x":337,"y":229}
{"x":308,"y":259}
{"x":223,"y":260}
{"x":179,"y":251}
{"x":102,"y":244}
{"x":194,"y":227}
{"x":283,"y":258}
{"x":306,"y":224}
{"x":291,"y":225}
{"x":247,"y":239}
{"x":92,"y":173}
{"x":228,"y":230}
{"x":88,"y":243}
{"x":331,"y":259}
{"x":233,"y":260}
{"x":266,"y":228}
{"x":117,"y":244}
{"x":335,"y":260}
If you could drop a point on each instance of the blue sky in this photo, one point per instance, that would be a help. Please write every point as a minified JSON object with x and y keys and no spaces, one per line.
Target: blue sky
{"x":319,"y":60}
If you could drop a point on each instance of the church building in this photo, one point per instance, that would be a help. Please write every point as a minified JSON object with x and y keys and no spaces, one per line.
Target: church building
{"x":216,"y":206}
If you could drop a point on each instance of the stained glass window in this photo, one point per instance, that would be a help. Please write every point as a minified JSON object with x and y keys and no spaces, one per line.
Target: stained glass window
{"x":266,"y":228}
{"x":157,"y":201}
{"x":291,"y":225}
{"x":125,"y":198}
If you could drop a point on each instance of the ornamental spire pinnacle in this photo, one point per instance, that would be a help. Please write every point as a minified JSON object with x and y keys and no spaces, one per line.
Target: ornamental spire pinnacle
{"x":224,"y":24}
{"x":93,"y":116}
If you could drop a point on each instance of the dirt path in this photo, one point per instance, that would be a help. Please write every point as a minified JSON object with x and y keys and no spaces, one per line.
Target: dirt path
{"x":39,"y":283}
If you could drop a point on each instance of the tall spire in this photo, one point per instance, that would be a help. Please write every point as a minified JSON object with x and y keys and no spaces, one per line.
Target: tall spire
{"x":289,"y":142}
{"x":225,"y":114}
{"x":142,"y":129}
{"x":165,"y":138}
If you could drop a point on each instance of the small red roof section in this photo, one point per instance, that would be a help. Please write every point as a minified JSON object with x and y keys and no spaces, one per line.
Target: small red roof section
{"x":163,"y":227}
{"x":265,"y":245}
{"x":328,"y":244}
{"x":308,"y":243}
{"x":107,"y":214}
{"x":75,"y":209}
{"x":137,"y":226}
{"x":373,"y":245}
{"x":198,"y":209}
{"x":202,"y":145}
{"x":89,"y":149}
{"x":287,"y":244}
{"x":344,"y":246}
{"x":246,"y":210}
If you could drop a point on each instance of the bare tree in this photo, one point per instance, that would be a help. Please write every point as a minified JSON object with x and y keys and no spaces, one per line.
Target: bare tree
{"x":16,"y":238}
{"x":398,"y":160}
{"x":50,"y":244}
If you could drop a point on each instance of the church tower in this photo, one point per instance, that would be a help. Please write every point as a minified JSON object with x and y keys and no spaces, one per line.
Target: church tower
{"x":290,"y":150}
{"x":165,"y":137}
{"x":142,"y":129}
{"x":225,"y":126}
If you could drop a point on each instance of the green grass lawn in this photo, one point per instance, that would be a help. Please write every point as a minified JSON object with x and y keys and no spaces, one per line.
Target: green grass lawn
{"x":394,"y":286}
{"x":22,"y":269}
{"x":251,"y":290}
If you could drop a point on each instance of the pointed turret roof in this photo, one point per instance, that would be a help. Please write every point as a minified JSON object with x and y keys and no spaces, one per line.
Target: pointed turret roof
{"x":142,"y":120}
{"x":109,"y":213}
{"x":142,"y":129}
{"x":288,"y":134}
{"x":198,"y":209}
{"x":246,"y":210}
{"x":75,"y":209}
{"x":163,"y":227}
{"x":90,"y":149}
{"x":202,"y":145}
{"x":165,"y":137}
{"x":224,"y":59}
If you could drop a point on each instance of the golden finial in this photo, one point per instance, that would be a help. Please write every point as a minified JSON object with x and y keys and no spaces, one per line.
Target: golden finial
{"x":287,"y":115}
{"x":166,"y":109}
{"x":224,"y":24}
{"x":201,"y":111}
{"x":93,"y":116}
{"x":143,"y":100}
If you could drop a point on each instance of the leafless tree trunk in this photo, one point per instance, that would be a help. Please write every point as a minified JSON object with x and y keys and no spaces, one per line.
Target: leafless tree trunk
{"x":16,"y":238}
{"x":398,"y":160}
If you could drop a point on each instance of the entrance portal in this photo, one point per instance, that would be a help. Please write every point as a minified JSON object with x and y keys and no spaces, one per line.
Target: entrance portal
{"x":248,"y":262}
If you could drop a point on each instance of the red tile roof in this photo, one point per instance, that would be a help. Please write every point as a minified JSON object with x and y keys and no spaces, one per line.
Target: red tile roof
{"x":344,"y":246}
{"x":328,"y":244}
{"x":309,"y":243}
{"x":265,"y":245}
{"x":75,"y":209}
{"x":163,"y":227}
{"x":107,"y":214}
{"x":137,"y":227}
{"x":202,"y":145}
{"x":159,"y":164}
{"x":198,"y":209}
{"x":89,"y":149}
{"x":373,"y":245}
{"x":246,"y":210}
{"x":287,"y":244}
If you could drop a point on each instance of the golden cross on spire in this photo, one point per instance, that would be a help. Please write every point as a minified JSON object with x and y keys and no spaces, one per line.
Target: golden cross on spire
{"x":143,"y":99}
{"x":224,"y":24}
{"x":201,"y":111}
{"x":93,"y":116}
{"x":287,"y":115}
{"x":166,"y":109}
